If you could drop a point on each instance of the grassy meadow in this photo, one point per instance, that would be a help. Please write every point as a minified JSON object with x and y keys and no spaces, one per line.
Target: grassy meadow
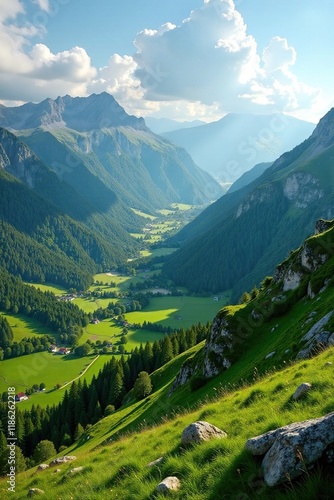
{"x":119,"y":448}
{"x":23,"y":326}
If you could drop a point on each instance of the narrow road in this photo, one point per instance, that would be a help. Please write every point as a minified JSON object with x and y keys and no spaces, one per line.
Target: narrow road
{"x":81,"y":374}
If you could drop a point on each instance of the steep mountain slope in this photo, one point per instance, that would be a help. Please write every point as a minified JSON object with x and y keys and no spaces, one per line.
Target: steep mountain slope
{"x":237,"y":241}
{"x":106,"y":214}
{"x":232,"y":145}
{"x":298,"y":284}
{"x":40,"y":241}
{"x":102,"y":152}
{"x":249,"y":176}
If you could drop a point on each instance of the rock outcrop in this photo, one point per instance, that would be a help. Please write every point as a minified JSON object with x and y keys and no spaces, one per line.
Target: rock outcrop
{"x":201,"y":431}
{"x":316,"y":338}
{"x":290,"y":450}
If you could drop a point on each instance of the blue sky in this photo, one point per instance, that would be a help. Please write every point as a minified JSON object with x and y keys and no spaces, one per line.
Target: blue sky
{"x":182,"y":59}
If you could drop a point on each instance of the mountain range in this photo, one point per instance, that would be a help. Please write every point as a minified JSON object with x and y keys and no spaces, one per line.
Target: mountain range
{"x":104,"y":153}
{"x":236,"y":241}
{"x":164,"y":125}
{"x":234,"y":144}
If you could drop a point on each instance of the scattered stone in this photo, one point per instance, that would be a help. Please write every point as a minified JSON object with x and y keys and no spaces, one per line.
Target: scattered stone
{"x":57,"y":471}
{"x":270,"y":355}
{"x":63,"y":460}
{"x":329,"y":363}
{"x":158,"y":461}
{"x":201,"y":431}
{"x":74,"y":471}
{"x":43,"y":466}
{"x":301,"y":390}
{"x":35,"y":491}
{"x":291,"y":449}
{"x":170,"y":483}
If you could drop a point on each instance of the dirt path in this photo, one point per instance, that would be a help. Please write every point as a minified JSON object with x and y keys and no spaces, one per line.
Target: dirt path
{"x":81,"y":374}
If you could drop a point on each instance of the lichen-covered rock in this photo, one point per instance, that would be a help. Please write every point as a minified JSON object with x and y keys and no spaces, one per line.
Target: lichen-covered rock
{"x":170,"y":483}
{"x":200,"y":431}
{"x":301,"y":390}
{"x":291,"y":449}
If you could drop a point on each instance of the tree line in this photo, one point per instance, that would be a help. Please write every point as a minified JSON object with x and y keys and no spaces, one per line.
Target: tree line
{"x":84,"y":405}
{"x":64,"y":318}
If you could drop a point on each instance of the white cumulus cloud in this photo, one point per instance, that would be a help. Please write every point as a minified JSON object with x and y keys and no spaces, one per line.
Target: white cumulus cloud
{"x":31,"y":71}
{"x":211,"y":58}
{"x":206,"y":66}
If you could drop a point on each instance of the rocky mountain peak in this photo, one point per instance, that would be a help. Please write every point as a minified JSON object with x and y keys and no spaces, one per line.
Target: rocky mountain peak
{"x":96,"y":111}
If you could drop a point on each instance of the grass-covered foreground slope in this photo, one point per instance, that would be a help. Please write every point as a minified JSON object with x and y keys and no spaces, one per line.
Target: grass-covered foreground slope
{"x":252,"y":396}
{"x":115,"y":452}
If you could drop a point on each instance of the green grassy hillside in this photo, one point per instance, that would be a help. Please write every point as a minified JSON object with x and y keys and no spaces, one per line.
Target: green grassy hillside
{"x":115,"y":457}
{"x":251,"y":397}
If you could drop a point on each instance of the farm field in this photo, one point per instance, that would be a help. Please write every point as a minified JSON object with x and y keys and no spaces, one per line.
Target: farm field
{"x":108,"y":330}
{"x":25,"y":327}
{"x":51,"y":396}
{"x":178,"y":312}
{"x":52,"y":369}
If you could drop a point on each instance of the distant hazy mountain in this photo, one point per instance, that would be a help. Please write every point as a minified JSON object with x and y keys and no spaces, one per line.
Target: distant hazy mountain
{"x":163,"y":125}
{"x":236,"y":241}
{"x":104,"y":153}
{"x":234,"y":144}
{"x":249,"y":176}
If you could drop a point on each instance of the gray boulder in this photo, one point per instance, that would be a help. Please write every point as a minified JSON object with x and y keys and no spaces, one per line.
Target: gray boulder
{"x":170,"y":483}
{"x":201,"y":431}
{"x":301,"y":390}
{"x":291,"y":449}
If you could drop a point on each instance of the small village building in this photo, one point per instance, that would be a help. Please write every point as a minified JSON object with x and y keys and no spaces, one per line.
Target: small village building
{"x":21,"y":396}
{"x":63,"y":350}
